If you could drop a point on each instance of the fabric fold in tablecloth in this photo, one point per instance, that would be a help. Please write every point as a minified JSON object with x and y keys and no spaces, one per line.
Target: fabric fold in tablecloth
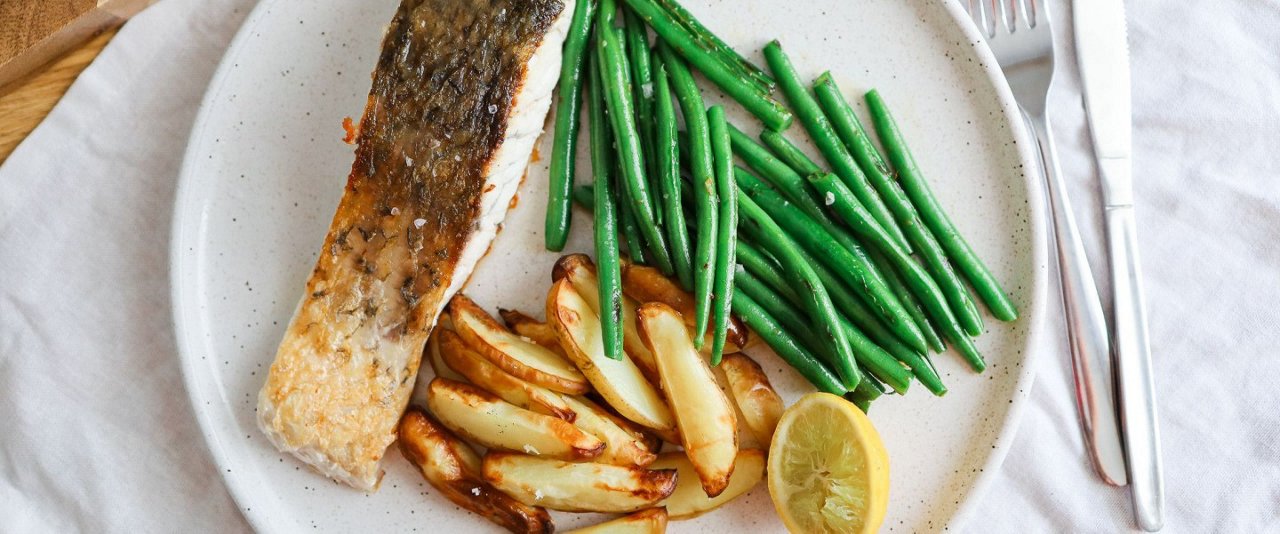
{"x":97,"y":434}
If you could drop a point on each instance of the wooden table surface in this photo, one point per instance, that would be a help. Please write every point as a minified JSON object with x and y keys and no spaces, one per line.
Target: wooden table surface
{"x":25,"y":103}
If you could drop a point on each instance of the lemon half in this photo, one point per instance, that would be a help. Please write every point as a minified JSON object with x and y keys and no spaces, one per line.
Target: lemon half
{"x":828,"y":469}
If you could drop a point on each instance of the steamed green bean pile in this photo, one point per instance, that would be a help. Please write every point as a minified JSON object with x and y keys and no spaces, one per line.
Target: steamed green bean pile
{"x":851,"y":272}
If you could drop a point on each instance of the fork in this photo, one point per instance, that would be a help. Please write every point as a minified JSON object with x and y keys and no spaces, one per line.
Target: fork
{"x":1020,"y":36}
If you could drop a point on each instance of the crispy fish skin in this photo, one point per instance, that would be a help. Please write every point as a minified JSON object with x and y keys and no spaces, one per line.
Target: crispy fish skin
{"x":459,"y":96}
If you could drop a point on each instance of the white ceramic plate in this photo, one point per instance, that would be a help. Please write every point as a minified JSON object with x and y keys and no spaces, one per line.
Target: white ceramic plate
{"x":266,"y":165}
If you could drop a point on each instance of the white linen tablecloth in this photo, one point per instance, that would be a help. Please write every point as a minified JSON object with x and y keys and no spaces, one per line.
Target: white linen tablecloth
{"x":96,"y":432}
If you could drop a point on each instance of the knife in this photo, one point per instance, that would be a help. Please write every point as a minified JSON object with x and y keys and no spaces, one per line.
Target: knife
{"x":1102,"y":51}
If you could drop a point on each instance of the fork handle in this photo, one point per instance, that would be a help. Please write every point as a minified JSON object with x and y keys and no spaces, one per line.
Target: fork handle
{"x":1133,"y":365}
{"x":1086,"y":324}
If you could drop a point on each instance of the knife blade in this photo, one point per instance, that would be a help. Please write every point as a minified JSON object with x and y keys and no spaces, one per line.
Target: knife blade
{"x":1102,"y":52}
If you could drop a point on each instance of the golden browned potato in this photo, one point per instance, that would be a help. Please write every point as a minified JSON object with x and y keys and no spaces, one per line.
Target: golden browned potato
{"x":481,"y":372}
{"x":746,"y":440}
{"x":622,"y":445}
{"x":433,"y":350}
{"x":451,"y":467}
{"x":759,"y":404}
{"x":581,"y":272}
{"x":646,"y":284}
{"x":525,"y":360}
{"x":620,"y":382}
{"x":688,"y":500}
{"x":497,"y":424}
{"x":524,"y":325}
{"x":577,"y":487}
{"x":708,"y":426}
{"x":651,"y":521}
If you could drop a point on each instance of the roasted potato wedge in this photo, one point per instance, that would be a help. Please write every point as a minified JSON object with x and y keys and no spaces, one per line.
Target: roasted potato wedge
{"x":708,"y":426}
{"x":646,"y":284}
{"x":690,"y":501}
{"x":577,"y":487}
{"x":620,"y":382}
{"x":480,"y":371}
{"x":454,"y":469}
{"x":651,"y":521}
{"x":757,"y":402}
{"x":746,"y":440}
{"x":497,"y":424}
{"x":581,"y":272}
{"x":438,"y":366}
{"x":525,"y":360}
{"x":623,"y":445}
{"x":526,"y":326}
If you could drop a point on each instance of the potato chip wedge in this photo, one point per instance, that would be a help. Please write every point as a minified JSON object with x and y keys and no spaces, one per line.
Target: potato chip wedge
{"x":646,"y":284}
{"x":497,"y":424}
{"x":581,"y":272}
{"x":623,"y":445}
{"x":620,"y":382}
{"x":705,"y":416}
{"x":526,"y":326}
{"x":438,"y":366}
{"x":577,"y":487}
{"x":478,"y":370}
{"x":749,"y":387}
{"x":523,"y":359}
{"x":651,"y":521}
{"x":454,"y":469}
{"x":689,"y":500}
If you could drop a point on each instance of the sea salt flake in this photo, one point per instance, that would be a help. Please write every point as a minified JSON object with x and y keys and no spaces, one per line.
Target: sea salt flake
{"x":475,"y":491}
{"x":829,"y":199}
{"x":417,"y":223}
{"x":493,"y":108}
{"x":529,"y":449}
{"x":395,"y":211}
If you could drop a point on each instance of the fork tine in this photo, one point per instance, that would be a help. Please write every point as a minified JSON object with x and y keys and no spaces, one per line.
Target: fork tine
{"x":1008,"y":11}
{"x":1029,"y":13}
{"x":983,"y":17}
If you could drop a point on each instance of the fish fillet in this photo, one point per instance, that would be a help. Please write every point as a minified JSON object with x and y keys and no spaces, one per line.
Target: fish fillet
{"x":459,"y":96}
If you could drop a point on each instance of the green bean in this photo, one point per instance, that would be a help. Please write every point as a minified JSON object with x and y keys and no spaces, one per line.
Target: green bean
{"x":564,"y":146}
{"x":864,"y":395}
{"x":712,"y":43}
{"x":726,"y":230}
{"x":819,"y":128}
{"x":785,"y":345}
{"x":630,"y":234}
{"x":799,"y":162}
{"x":935,"y":260}
{"x":636,"y":38}
{"x":789,"y":152}
{"x":611,"y":49}
{"x":605,"y":215}
{"x":924,"y":287}
{"x":764,"y":269}
{"x":819,"y":301}
{"x":791,"y":318}
{"x":934,"y":217}
{"x":851,"y":268}
{"x":772,"y":113}
{"x":908,"y":300}
{"x":866,"y":353}
{"x":584,"y":196}
{"x":667,"y":161}
{"x":703,"y":173}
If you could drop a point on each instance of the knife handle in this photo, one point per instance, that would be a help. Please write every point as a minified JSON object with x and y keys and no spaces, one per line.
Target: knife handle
{"x":1086,"y":324}
{"x":1133,"y":363}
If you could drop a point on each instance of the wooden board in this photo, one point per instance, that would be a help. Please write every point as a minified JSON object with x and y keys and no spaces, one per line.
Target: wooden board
{"x":25,"y":103}
{"x":33,"y":32}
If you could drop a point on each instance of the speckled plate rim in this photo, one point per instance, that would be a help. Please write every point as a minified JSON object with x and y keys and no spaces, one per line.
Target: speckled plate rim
{"x":184,"y":231}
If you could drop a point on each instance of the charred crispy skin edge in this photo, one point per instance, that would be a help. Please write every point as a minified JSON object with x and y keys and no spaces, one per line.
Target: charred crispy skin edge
{"x":451,"y":467}
{"x":648,"y":487}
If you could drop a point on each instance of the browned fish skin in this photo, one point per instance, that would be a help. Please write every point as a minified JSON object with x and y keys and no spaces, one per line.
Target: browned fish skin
{"x":438,"y":110}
